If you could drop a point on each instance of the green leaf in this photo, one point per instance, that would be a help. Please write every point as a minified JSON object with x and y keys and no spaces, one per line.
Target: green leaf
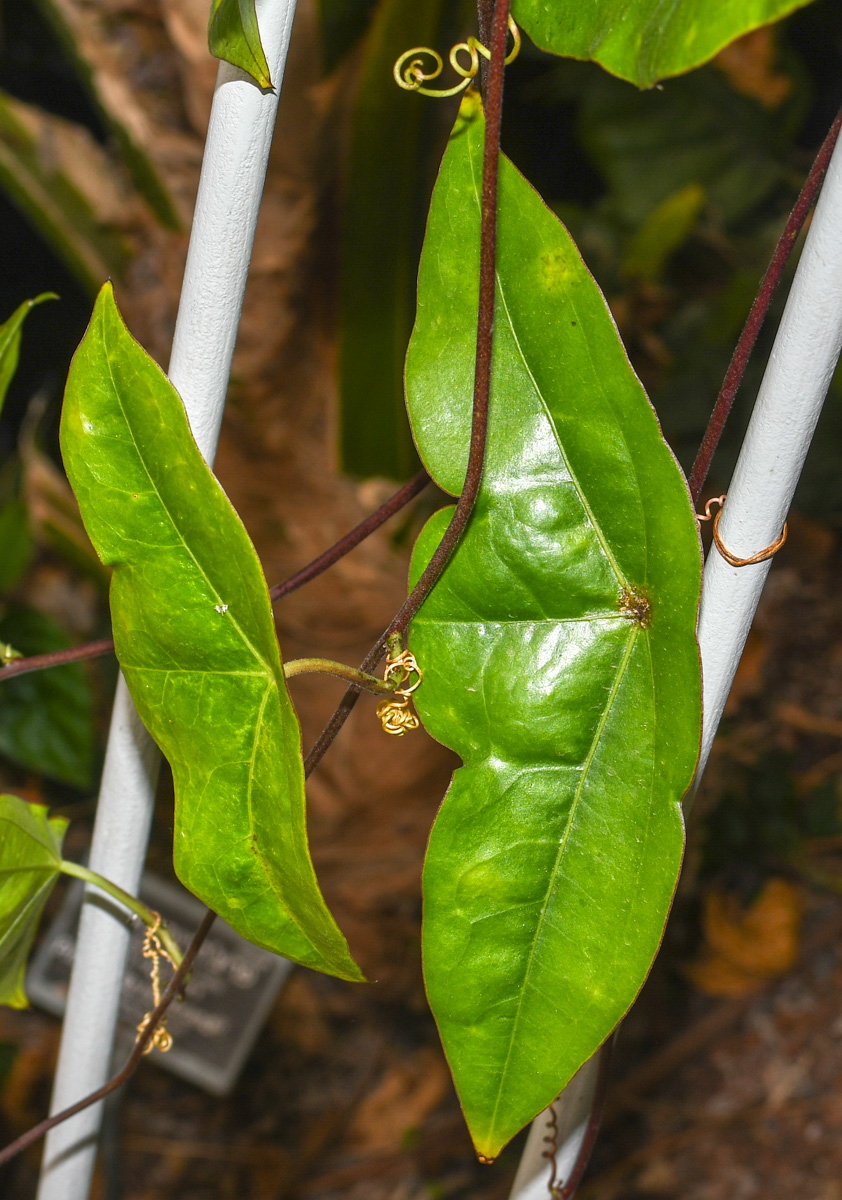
{"x":396,"y":138}
{"x":648,"y":145}
{"x":10,"y":335}
{"x":15,"y":544}
{"x":46,"y":717}
{"x":30,"y":858}
{"x":342,"y":23}
{"x":195,"y":637}
{"x":662,"y":233}
{"x":234,"y":36}
{"x":558,"y":652}
{"x":644,"y":40}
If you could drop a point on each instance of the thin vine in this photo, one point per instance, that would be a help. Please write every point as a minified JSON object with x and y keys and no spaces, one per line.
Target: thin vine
{"x":482,"y":384}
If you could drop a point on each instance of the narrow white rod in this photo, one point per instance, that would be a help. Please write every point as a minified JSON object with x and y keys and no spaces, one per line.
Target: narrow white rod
{"x":788,"y":405}
{"x":230,"y":189}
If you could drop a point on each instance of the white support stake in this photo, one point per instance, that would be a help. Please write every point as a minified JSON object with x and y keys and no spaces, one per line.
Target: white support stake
{"x":788,"y":405}
{"x":230,"y":189}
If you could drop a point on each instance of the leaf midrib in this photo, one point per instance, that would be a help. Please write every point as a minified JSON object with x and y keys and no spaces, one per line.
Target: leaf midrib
{"x":615,"y":687}
{"x":141,"y":459}
{"x":621,"y":579}
{"x":271,"y":680}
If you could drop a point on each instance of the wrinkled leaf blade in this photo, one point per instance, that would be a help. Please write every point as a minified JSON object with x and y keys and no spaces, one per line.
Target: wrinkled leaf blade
{"x":644,"y":40}
{"x":196,"y":640}
{"x":46,"y":717}
{"x":10,"y":335}
{"x":234,"y":36}
{"x":552,"y":863}
{"x":30,"y":855}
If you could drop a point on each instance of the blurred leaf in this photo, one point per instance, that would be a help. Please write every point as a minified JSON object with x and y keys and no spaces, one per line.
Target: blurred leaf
{"x":15,"y":544}
{"x":30,"y":857}
{"x":47,"y":717}
{"x":577,"y":716}
{"x":196,"y":641}
{"x":662,"y":233}
{"x":644,"y":40}
{"x":65,"y":184}
{"x":91,"y":36}
{"x":10,"y":335}
{"x":752,"y":67}
{"x":698,"y":130}
{"x":234,"y":36}
{"x":343,"y":23}
{"x":394,"y":135}
{"x":53,"y":514}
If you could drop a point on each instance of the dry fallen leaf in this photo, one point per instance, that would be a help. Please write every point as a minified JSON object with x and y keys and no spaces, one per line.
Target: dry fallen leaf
{"x":751,"y":67}
{"x":744,"y":948}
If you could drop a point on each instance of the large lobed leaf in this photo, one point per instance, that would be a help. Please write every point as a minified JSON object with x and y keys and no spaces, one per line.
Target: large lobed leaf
{"x":233,"y":35}
{"x":195,"y":637}
{"x":30,"y":858}
{"x":558,"y":652}
{"x":645,"y":40}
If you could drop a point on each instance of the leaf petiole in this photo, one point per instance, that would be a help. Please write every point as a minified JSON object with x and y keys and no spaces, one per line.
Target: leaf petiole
{"x":146,"y":914}
{"x":301,"y":666}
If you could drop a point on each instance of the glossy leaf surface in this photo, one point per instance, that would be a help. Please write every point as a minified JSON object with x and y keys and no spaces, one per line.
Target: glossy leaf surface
{"x":196,"y":640}
{"x":10,"y":335}
{"x":644,"y":40}
{"x":233,"y":35}
{"x":30,"y":856}
{"x":46,"y":718}
{"x":559,"y":658}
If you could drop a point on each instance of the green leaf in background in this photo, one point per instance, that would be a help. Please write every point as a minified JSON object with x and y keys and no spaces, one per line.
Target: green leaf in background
{"x":663,"y":232}
{"x":30,"y":857}
{"x":559,"y":657}
{"x":47,"y":717}
{"x":644,"y":40}
{"x":343,"y":22}
{"x":10,"y":335}
{"x":234,"y":36}
{"x":16,"y":543}
{"x":397,"y":138}
{"x":648,"y":145}
{"x":196,"y":640}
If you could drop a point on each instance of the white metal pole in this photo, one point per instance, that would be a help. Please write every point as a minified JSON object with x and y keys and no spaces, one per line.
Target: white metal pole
{"x":230,"y":189}
{"x":788,"y":405}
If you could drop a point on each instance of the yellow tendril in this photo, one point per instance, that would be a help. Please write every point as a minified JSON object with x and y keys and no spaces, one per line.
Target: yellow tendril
{"x":410,"y":74}
{"x":396,"y":716}
{"x":153,"y":949}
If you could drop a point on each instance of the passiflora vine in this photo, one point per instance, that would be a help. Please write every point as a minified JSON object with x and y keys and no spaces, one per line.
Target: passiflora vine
{"x":552,"y":612}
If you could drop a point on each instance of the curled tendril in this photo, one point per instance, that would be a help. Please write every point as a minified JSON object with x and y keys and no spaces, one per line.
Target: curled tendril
{"x":410,"y":74}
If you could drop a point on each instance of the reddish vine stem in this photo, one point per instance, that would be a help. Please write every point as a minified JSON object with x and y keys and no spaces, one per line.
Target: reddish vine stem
{"x":568,"y":1191}
{"x":482,"y":383}
{"x":352,"y":539}
{"x":759,"y":311}
{"x":57,"y":658}
{"x":175,"y":988}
